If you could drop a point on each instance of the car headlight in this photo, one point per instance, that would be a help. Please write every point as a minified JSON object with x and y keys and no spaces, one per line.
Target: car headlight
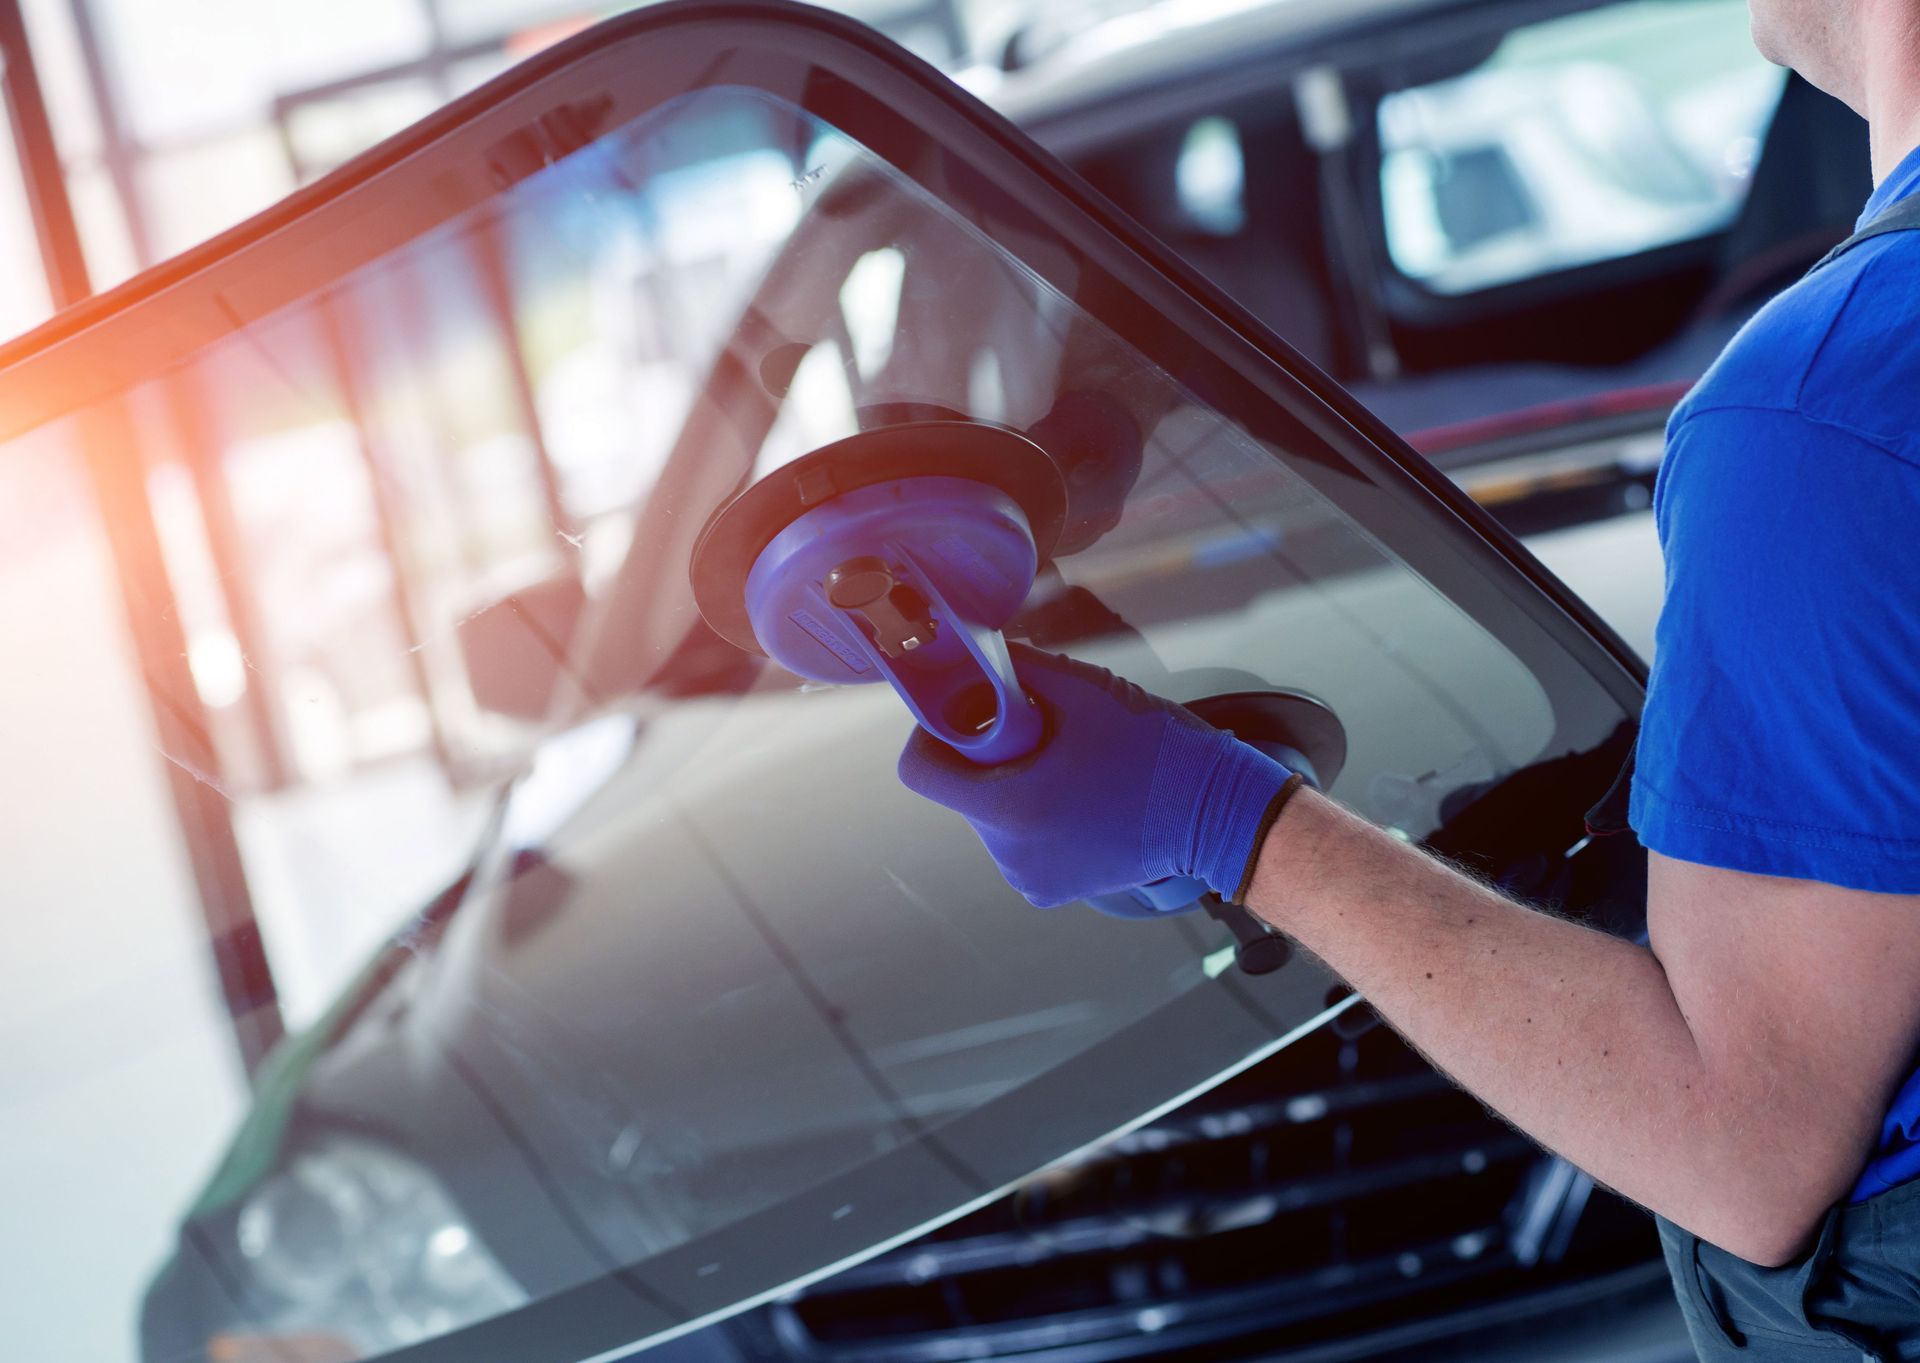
{"x":353,"y":1240}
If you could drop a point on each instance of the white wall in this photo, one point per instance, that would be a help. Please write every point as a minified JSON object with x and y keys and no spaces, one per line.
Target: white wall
{"x":118,"y":1081}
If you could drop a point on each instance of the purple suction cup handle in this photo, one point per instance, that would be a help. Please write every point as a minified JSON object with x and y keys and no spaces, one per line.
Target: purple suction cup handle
{"x":980,"y":711}
{"x":908,"y":582}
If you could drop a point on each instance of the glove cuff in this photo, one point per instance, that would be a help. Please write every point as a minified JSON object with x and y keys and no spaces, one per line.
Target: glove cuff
{"x":1221,"y":795}
{"x":1232,"y":814}
{"x":1279,"y":802}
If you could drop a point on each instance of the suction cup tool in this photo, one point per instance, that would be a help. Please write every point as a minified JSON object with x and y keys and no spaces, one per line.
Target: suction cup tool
{"x":734,"y":538}
{"x":898,"y":555}
{"x":895,"y":555}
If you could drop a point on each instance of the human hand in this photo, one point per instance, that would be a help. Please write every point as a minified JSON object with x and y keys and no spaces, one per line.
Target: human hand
{"x":1126,"y":789}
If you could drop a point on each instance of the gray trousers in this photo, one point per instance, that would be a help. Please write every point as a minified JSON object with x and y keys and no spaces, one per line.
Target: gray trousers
{"x":1854,"y":1295}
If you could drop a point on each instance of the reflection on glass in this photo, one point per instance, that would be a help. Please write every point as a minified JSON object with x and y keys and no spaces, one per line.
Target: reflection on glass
{"x":719,"y":1005}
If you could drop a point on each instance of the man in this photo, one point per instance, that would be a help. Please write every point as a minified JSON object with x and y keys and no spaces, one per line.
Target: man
{"x":1742,"y":1075}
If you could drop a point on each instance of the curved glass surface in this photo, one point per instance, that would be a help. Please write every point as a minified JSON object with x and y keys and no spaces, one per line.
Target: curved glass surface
{"x":717,"y":1005}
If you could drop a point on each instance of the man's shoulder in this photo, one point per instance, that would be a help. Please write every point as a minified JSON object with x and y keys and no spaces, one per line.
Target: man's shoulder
{"x":1865,"y":378}
{"x":1781,"y":734}
{"x":1839,"y":349}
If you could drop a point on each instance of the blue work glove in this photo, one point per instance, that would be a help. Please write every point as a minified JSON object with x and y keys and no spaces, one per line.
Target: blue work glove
{"x":1125,"y":789}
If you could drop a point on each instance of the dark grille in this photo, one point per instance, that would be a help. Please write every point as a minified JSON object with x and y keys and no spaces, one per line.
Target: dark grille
{"x":1341,"y":1188}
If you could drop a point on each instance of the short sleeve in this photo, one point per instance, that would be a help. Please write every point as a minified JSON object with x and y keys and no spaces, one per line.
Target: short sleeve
{"x":1782,"y":729}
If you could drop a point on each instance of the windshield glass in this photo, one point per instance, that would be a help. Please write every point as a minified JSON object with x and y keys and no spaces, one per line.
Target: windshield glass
{"x":717,"y":1004}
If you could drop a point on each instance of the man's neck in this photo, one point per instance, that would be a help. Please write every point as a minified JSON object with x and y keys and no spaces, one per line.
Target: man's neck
{"x":1893,"y":89}
{"x":1893,"y":140}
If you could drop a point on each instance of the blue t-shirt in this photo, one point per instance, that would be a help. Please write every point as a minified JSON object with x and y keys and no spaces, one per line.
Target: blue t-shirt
{"x":1782,"y":726}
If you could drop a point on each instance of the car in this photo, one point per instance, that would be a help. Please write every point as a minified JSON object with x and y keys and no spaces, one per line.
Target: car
{"x":1508,"y":228}
{"x":719,"y":1024}
{"x":1517,"y":232}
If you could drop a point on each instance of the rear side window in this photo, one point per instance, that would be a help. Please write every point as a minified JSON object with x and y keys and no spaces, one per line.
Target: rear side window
{"x":1581,"y":139}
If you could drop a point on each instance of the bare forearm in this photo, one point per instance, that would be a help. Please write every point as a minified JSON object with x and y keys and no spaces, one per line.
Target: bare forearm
{"x":1573,"y":1035}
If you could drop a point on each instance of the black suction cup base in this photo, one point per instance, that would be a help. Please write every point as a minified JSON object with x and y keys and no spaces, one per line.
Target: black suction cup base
{"x":1257,"y":948}
{"x":1291,"y":719}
